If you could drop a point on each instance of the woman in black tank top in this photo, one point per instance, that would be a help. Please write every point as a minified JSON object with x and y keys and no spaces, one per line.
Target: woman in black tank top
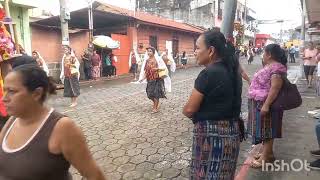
{"x":38,"y":143}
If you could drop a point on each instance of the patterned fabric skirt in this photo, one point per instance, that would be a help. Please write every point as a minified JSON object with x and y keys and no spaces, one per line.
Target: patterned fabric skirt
{"x":215,"y":150}
{"x":156,"y":89}
{"x":96,"y":71}
{"x":261,"y":129}
{"x":71,"y":86}
{"x":134,"y":68}
{"x":318,"y":85}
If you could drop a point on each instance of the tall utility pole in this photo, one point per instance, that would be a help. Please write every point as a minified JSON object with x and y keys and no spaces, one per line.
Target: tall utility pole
{"x":303,"y":23}
{"x":90,"y":16}
{"x":303,"y":34}
{"x":229,"y":12}
{"x":64,"y":18}
{"x":245,"y":19}
{"x":213,"y":11}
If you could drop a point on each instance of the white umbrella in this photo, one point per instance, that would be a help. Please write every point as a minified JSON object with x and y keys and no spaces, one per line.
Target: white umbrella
{"x":105,"y":42}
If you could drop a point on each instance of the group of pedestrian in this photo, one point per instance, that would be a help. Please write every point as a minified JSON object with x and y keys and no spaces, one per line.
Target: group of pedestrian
{"x":292,"y":53}
{"x":97,"y":65}
{"x":214,"y":107}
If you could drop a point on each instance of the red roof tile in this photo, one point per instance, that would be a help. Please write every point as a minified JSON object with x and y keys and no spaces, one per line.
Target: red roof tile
{"x":149,"y":18}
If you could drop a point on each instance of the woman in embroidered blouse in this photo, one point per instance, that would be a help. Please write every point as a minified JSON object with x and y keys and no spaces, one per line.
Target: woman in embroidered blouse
{"x":40,"y":61}
{"x":155,"y":86}
{"x":70,"y":75}
{"x":264,"y":124}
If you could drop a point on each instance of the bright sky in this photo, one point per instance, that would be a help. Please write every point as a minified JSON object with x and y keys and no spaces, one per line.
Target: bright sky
{"x":266,"y":10}
{"x":277,"y":10}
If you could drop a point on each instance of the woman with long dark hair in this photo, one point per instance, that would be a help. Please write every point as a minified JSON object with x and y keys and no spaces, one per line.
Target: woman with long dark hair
{"x":265,"y":124}
{"x":214,"y":107}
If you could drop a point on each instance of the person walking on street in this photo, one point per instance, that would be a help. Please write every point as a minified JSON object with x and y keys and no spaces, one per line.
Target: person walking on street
{"x":168,"y":60}
{"x":184,"y":60}
{"x":265,"y":124}
{"x":107,"y":68}
{"x":245,"y":51}
{"x":215,"y":102}
{"x":38,"y":142}
{"x":177,"y":58}
{"x":40,"y":61}
{"x":318,"y":73}
{"x":292,"y":53}
{"x":150,"y":70}
{"x":134,"y":64}
{"x":96,"y":65}
{"x":87,"y":64}
{"x":114,"y":60}
{"x":70,"y":75}
{"x":250,"y":55}
{"x":310,"y":63}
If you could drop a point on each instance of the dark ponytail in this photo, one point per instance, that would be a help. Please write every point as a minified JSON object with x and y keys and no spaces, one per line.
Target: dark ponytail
{"x":277,"y":53}
{"x":232,"y":63}
{"x":52,"y":86}
{"x":226,"y":51}
{"x":34,"y":77}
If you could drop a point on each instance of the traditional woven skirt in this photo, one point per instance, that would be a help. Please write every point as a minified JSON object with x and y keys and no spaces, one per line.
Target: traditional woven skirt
{"x":134,"y":68}
{"x":96,"y":71}
{"x":71,"y":86}
{"x":261,"y":129}
{"x":156,"y":89}
{"x":215,"y":150}
{"x":318,"y":85}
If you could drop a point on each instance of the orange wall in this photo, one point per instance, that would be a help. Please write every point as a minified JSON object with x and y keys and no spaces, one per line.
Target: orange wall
{"x":122,"y":53}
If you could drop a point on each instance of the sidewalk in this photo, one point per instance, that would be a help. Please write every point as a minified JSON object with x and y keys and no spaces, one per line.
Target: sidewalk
{"x":298,"y":137}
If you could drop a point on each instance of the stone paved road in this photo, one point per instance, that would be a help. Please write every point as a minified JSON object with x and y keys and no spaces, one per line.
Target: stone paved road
{"x":127,"y":140}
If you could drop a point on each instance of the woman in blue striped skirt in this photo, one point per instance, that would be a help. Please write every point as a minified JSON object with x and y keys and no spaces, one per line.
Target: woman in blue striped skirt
{"x":214,"y":107}
{"x":264,"y":123}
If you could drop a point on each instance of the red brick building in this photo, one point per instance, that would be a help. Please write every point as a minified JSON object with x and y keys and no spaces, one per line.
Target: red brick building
{"x":134,"y":30}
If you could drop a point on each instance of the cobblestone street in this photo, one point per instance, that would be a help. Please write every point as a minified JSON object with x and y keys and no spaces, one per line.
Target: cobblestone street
{"x":127,"y":140}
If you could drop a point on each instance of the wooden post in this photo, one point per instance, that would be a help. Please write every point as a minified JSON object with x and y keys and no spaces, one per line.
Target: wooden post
{"x":5,"y":65}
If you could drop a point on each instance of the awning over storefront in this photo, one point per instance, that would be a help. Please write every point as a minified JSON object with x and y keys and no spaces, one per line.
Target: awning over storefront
{"x":79,"y":19}
{"x":313,"y":10}
{"x":106,"y":15}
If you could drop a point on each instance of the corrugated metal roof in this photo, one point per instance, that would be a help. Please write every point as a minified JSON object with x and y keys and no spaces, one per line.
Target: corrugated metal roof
{"x":148,"y":18}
